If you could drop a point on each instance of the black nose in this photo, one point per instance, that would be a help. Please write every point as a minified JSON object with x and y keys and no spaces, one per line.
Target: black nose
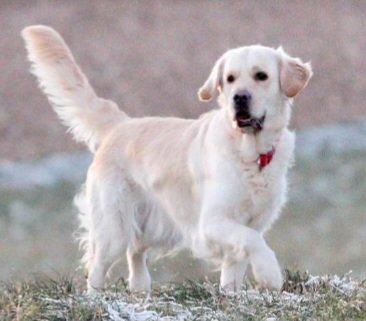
{"x":242,"y":100}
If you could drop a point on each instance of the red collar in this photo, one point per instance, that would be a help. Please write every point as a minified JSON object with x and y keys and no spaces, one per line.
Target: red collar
{"x":265,"y":159}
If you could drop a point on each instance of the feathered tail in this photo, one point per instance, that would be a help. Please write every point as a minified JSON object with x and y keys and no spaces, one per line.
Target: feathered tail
{"x":88,"y":116}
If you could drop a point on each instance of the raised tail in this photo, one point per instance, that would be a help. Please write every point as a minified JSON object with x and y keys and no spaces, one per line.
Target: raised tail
{"x":88,"y":116}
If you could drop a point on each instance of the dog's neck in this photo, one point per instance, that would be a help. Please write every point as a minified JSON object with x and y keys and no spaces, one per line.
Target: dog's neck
{"x":251,"y":145}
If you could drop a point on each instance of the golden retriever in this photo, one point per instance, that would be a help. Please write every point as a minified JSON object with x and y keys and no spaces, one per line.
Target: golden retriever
{"x":213,"y":184}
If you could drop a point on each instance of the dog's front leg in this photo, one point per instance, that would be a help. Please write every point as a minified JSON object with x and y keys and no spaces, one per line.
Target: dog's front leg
{"x":237,"y":242}
{"x":232,"y":275}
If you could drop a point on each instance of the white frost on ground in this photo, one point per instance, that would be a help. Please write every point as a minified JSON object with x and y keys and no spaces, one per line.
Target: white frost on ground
{"x":119,"y":311}
{"x":145,"y":309}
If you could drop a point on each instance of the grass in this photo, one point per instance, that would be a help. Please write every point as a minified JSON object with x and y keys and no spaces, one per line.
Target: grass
{"x":303,"y":297}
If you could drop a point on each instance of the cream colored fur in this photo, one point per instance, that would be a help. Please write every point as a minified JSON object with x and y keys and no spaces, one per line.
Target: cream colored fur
{"x":163,"y":183}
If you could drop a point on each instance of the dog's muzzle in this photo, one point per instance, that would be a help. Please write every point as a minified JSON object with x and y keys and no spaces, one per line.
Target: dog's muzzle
{"x":251,"y":123}
{"x":242,"y":101}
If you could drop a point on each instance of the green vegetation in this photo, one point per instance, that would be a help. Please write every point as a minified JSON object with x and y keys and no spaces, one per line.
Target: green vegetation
{"x":303,"y":297}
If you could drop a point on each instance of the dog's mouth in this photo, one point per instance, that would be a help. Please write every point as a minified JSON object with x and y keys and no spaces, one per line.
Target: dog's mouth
{"x":246,"y":122}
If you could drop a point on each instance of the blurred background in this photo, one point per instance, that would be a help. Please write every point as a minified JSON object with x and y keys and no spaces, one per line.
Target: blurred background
{"x":151,"y":57}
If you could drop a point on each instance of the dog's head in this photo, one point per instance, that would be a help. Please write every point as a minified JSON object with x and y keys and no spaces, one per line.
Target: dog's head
{"x":255,"y":83}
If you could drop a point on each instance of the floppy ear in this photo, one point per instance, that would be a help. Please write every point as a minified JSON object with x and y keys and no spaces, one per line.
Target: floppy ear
{"x":294,"y":74}
{"x":213,"y":82}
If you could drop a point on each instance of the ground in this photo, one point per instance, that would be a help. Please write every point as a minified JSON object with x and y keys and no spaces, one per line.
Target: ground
{"x":303,"y":297}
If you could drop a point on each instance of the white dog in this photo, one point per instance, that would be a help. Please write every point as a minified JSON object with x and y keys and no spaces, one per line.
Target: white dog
{"x":213,"y":184}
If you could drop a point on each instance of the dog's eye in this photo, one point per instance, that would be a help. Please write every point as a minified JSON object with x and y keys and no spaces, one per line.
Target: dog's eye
{"x":261,"y":76}
{"x":230,"y":78}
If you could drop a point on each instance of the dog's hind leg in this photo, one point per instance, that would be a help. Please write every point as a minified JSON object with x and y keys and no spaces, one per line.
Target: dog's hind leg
{"x":139,"y":277}
{"x":111,"y":226}
{"x":103,"y":259}
{"x":109,"y":245}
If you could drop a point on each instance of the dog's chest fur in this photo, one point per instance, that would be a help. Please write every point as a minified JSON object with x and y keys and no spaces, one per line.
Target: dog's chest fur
{"x":263,"y":192}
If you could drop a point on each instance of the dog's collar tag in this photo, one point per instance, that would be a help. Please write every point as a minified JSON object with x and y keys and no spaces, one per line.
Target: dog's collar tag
{"x":265,"y":159}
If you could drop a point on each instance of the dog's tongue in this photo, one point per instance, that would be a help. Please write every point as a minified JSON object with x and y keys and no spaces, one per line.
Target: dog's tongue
{"x":244,"y":122}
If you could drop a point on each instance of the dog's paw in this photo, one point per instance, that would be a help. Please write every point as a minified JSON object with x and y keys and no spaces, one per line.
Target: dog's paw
{"x":141,"y":284}
{"x":92,"y":291}
{"x":271,"y":279}
{"x":267,"y":271}
{"x":228,"y":289}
